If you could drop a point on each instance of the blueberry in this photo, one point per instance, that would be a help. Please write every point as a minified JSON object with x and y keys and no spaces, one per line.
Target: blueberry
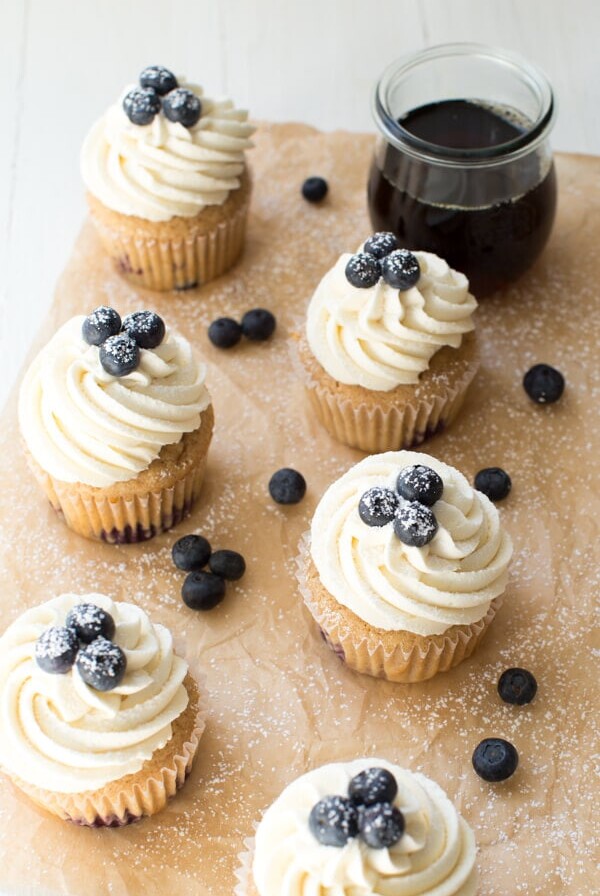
{"x":381,"y":825}
{"x":420,"y":483}
{"x":544,"y":384}
{"x":378,"y":506}
{"x":315,"y":189}
{"x":495,"y":759}
{"x":373,"y":785}
{"x":517,"y":686}
{"x":381,"y":244}
{"x":258,"y":324}
{"x":119,"y":355}
{"x":228,"y":564}
{"x":363,"y":270}
{"x":401,"y":269}
{"x":191,"y":553}
{"x":183,"y":106}
{"x":56,"y":649}
{"x":287,"y":486}
{"x":333,"y":821}
{"x":141,"y":105}
{"x":225,"y":332}
{"x":415,"y":524}
{"x":159,"y":79}
{"x":102,"y":664}
{"x":146,"y":327}
{"x":493,"y":482}
{"x":100,"y":324}
{"x":89,"y":622}
{"x":202,"y":590}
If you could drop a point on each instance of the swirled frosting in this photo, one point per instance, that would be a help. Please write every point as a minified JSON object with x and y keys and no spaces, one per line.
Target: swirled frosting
{"x":59,"y":733}
{"x":435,"y":855}
{"x":381,"y":338}
{"x":396,"y":587}
{"x":163,"y":169}
{"x":83,"y":425}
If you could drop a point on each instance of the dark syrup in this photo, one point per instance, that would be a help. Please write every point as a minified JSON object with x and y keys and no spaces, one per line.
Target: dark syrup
{"x":492,"y":243}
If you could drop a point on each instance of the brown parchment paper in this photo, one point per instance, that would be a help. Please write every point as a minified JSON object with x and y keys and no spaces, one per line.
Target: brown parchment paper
{"x":280,"y":702}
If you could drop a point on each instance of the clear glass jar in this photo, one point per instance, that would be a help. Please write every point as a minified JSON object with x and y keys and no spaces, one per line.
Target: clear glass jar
{"x":463,"y":166}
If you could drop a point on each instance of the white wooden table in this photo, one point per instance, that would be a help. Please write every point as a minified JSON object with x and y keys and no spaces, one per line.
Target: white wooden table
{"x":63,"y":61}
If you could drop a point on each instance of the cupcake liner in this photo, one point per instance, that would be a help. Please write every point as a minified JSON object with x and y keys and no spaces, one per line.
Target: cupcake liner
{"x":416,"y":658}
{"x":245,"y":885}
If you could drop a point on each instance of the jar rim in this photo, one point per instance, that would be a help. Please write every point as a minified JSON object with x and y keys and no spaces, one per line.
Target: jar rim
{"x":423,"y":149}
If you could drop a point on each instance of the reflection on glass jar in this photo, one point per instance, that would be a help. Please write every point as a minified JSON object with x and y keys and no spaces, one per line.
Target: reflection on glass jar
{"x":463,"y":166}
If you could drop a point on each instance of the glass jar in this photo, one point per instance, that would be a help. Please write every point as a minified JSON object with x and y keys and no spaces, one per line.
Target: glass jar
{"x":463,"y":166}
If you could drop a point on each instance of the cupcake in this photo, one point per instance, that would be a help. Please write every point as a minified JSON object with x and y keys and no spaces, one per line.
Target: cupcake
{"x":167,"y":182}
{"x":117,"y":421}
{"x":405,"y":566}
{"x":101,"y":719}
{"x":365,"y":827}
{"x":389,"y":349}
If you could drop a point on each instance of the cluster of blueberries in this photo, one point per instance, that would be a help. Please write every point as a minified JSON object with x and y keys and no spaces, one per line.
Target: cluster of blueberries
{"x":159,"y":90}
{"x":367,"y":812}
{"x":119,"y":340}
{"x":203,"y":590}
{"x":409,"y":507}
{"x":381,"y":257}
{"x":84,"y":641}
{"x":257,"y":325}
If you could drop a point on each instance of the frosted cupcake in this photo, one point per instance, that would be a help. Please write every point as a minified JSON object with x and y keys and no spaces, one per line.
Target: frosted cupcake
{"x":101,"y":719}
{"x":365,"y":827}
{"x":406,"y":566}
{"x":167,"y":182}
{"x":117,"y":422}
{"x":389,"y":349}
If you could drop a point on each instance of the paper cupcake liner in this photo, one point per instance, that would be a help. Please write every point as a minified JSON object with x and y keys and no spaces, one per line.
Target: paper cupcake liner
{"x":245,"y":884}
{"x":422,"y":659}
{"x":142,"y":793}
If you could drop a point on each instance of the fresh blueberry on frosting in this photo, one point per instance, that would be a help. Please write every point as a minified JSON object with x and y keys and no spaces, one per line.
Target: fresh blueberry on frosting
{"x":517,"y":686}
{"x":159,"y":79}
{"x":141,"y":105}
{"x":363,"y":270}
{"x":56,"y":649}
{"x":102,"y":664}
{"x":495,"y":759}
{"x":493,"y":482}
{"x":401,"y":269}
{"x":373,"y":785}
{"x":378,"y":506}
{"x":333,"y":821}
{"x":381,"y":244}
{"x":100,"y":324}
{"x":420,"y":483}
{"x":89,"y":622}
{"x":544,"y":384}
{"x":182,"y":106}
{"x":415,"y":524}
{"x":120,"y":355}
{"x":145,"y":327}
{"x":381,"y":825}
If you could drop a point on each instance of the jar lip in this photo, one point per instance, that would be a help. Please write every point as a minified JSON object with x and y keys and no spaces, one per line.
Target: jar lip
{"x":519,"y":145}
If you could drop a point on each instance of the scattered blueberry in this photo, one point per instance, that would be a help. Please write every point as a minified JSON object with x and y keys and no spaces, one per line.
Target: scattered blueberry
{"x":102,"y":664}
{"x":378,"y":506}
{"x":100,"y":324}
{"x":381,"y":825}
{"x":141,"y":105}
{"x":228,"y":564}
{"x":56,"y":649}
{"x":373,"y":785}
{"x":146,"y":327}
{"x":333,"y":821}
{"x":191,"y":553}
{"x":363,"y":270}
{"x":202,"y":590}
{"x":493,"y":482}
{"x":119,"y":355}
{"x":544,"y":384}
{"x":159,"y":79}
{"x":258,"y":324}
{"x":415,"y":524}
{"x":401,"y":269}
{"x":315,"y":189}
{"x":225,"y":332}
{"x":287,"y":486}
{"x":517,"y":686}
{"x":495,"y":759}
{"x":183,"y":106}
{"x":420,"y":483}
{"x":381,"y":244}
{"x":89,"y":622}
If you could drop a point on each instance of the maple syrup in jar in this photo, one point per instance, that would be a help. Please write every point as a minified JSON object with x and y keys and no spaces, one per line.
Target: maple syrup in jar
{"x":463,"y":166}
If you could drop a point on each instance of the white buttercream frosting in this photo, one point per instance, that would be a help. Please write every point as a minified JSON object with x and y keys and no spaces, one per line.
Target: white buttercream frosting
{"x":163,"y":169}
{"x":435,"y":855}
{"x":396,"y":587}
{"x":380,"y":337}
{"x":83,"y":425}
{"x":60,"y":734}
